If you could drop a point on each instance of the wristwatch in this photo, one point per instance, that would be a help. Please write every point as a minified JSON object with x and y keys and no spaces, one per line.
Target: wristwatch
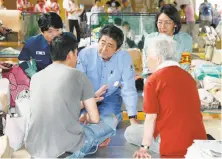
{"x":145,"y":146}
{"x":133,"y":116}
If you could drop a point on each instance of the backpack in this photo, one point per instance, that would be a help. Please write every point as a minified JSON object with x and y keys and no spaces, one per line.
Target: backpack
{"x":18,"y":82}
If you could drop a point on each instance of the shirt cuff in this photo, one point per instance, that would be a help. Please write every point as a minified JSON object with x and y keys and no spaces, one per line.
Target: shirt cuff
{"x":132,"y":112}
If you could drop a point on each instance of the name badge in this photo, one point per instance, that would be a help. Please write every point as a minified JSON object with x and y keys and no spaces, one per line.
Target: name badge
{"x":40,"y":52}
{"x":116,"y":84}
{"x":185,"y":58}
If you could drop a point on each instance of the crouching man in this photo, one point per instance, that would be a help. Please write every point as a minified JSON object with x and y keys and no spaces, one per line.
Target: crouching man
{"x":56,"y":94}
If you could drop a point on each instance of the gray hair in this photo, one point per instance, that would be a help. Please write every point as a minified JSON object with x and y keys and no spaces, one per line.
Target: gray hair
{"x":163,"y":46}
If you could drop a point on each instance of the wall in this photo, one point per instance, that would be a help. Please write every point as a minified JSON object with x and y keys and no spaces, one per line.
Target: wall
{"x":10,"y":4}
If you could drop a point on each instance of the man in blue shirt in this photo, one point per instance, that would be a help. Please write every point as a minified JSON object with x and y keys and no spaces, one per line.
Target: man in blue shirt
{"x":37,"y":47}
{"x":111,"y":72}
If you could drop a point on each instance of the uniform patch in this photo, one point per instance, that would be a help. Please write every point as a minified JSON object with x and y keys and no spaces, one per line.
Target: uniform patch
{"x":40,"y":52}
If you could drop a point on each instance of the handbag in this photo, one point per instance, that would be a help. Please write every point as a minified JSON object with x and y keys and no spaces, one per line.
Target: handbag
{"x":22,"y":104}
{"x":15,"y":130}
{"x":18,"y":81}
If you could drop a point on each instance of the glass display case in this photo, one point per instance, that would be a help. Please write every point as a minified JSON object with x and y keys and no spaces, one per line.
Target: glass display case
{"x":29,"y":24}
{"x":139,"y":24}
{"x":10,"y":50}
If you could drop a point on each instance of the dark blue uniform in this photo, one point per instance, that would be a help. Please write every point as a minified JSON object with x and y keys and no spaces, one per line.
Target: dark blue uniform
{"x":37,"y":48}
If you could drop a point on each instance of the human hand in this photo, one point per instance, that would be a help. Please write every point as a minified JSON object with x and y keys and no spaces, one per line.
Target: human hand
{"x":84,"y":118}
{"x":101,"y":91}
{"x":5,"y":66}
{"x":141,"y":153}
{"x":98,"y":99}
{"x":133,"y":121}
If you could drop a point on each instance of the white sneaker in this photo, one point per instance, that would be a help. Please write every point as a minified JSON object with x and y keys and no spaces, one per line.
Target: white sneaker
{"x":5,"y":150}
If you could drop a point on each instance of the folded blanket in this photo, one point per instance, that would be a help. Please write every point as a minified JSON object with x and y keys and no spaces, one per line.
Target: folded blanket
{"x":207,"y":70}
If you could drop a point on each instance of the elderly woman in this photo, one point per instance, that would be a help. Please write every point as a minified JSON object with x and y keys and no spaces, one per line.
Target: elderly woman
{"x":171,"y":104}
{"x":168,"y":23}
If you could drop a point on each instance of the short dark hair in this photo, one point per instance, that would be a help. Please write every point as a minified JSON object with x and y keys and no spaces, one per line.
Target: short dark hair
{"x":61,"y":46}
{"x":48,"y":20}
{"x":113,"y":32}
{"x":126,"y":23}
{"x":173,"y":14}
{"x":108,"y":3}
{"x":117,"y":4}
{"x":160,"y":1}
{"x":182,"y":6}
{"x":118,"y":21}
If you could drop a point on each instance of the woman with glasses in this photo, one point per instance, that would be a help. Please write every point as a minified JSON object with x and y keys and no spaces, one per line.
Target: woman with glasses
{"x":168,"y":23}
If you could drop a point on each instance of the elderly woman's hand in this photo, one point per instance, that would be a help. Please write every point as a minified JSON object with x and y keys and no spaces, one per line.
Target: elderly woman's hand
{"x":141,"y":153}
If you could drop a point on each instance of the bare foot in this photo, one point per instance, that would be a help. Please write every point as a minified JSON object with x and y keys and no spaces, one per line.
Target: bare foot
{"x":105,"y":143}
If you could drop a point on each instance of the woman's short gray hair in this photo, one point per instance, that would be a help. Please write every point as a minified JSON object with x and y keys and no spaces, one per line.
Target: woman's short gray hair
{"x":164,"y":46}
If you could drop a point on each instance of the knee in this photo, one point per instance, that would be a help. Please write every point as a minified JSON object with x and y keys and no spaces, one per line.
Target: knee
{"x":128,"y":133}
{"x":112,"y":121}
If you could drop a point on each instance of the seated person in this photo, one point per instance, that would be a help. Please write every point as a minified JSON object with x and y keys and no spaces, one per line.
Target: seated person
{"x":111,"y":69}
{"x":52,"y":6}
{"x":116,"y":7}
{"x":23,"y":5}
{"x":40,"y":6}
{"x":37,"y":47}
{"x":168,"y":22}
{"x":55,"y":96}
{"x":3,"y":31}
{"x":129,"y":40}
{"x":171,"y":104}
{"x":108,"y":7}
{"x":127,"y":8}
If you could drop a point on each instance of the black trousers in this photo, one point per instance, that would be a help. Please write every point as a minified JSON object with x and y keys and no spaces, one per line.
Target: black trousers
{"x":72,"y":24}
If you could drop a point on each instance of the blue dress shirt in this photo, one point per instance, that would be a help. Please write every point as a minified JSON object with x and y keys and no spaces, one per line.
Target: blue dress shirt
{"x":118,"y":73}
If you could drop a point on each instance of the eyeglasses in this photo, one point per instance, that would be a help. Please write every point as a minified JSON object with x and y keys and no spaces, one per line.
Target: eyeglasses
{"x":165,"y":23}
